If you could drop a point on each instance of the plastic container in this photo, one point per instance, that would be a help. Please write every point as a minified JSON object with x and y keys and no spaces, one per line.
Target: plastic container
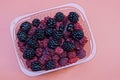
{"x":90,"y":47}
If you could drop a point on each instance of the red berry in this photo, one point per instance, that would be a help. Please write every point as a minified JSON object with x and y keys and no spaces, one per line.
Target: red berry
{"x":42,"y":24}
{"x":65,"y":20}
{"x":59,"y":50}
{"x":57,"y":64}
{"x":32,"y":30}
{"x":72,"y":54}
{"x":23,"y":48}
{"x":83,"y":40}
{"x":45,"y":42}
{"x":63,"y":61}
{"x":39,"y":51}
{"x":21,"y":44}
{"x":77,"y":45}
{"x":77,"y":26}
{"x":58,"y":24}
{"x":81,"y":53}
{"x":73,"y":60}
{"x":64,"y":54}
{"x":55,"y":58}
{"x":40,"y":43}
{"x":28,"y":62}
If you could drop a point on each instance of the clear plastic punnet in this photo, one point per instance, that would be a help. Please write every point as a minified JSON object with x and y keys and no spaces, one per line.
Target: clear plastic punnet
{"x":90,"y":46}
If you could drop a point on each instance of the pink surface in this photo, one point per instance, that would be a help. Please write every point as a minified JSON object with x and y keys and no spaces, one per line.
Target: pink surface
{"x":104,"y":17}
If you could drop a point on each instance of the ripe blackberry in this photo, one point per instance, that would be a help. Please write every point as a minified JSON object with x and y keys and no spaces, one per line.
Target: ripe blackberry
{"x":70,"y":27}
{"x":77,"y":35}
{"x":36,"y":22}
{"x":36,"y":66}
{"x":52,"y":43}
{"x":32,"y":43}
{"x":59,"y":16}
{"x":48,"y":32}
{"x":68,"y":46}
{"x":57,"y":35}
{"x":49,"y":65}
{"x":39,"y":34}
{"x":61,"y":27}
{"x":29,"y":54}
{"x":73,"y":17}
{"x":51,"y":23}
{"x":22,"y":36}
{"x":25,"y":26}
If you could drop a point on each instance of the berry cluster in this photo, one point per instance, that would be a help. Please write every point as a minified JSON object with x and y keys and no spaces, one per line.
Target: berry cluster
{"x":52,"y":42}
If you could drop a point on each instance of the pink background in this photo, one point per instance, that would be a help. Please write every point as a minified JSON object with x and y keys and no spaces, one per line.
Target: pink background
{"x":104,"y":17}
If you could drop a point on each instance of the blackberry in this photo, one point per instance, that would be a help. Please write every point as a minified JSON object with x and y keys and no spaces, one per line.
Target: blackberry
{"x":36,"y":22}
{"x":61,"y":27}
{"x":73,"y":17}
{"x":22,"y":36}
{"x":39,"y":34}
{"x":51,"y":23}
{"x":25,"y":26}
{"x":68,"y":46}
{"x":77,"y":35}
{"x":57,"y":35}
{"x":49,"y":65}
{"x":36,"y":66}
{"x":53,"y":43}
{"x":70,"y":27}
{"x":59,"y":16}
{"x":32,"y":43}
{"x":48,"y":32}
{"x":29,"y":54}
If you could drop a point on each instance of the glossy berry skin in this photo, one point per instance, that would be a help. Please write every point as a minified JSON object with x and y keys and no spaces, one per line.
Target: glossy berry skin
{"x":36,"y":66}
{"x":22,"y":36}
{"x":32,"y":43}
{"x":57,"y":35}
{"x":25,"y":26}
{"x":29,"y":54}
{"x":39,"y":34}
{"x":52,"y":44}
{"x":68,"y":46}
{"x":70,"y":27}
{"x":50,"y":65}
{"x":51,"y":23}
{"x":73,"y":17}
{"x":61,"y":27}
{"x":59,"y":16}
{"x":48,"y":32}
{"x":77,"y":35}
{"x":36,"y":22}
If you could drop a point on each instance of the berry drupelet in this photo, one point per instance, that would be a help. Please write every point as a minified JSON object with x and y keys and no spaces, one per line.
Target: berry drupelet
{"x":59,"y":16}
{"x":32,"y":43}
{"x":61,"y":27}
{"x":29,"y":54}
{"x":57,"y":35}
{"x":68,"y":46}
{"x":22,"y":36}
{"x":36,"y":66}
{"x":51,"y":23}
{"x":36,"y":22}
{"x":53,"y":43}
{"x":70,"y":27}
{"x":50,"y":65}
{"x":73,"y":17}
{"x":39,"y":34}
{"x":25,"y":26}
{"x":77,"y":35}
{"x":48,"y":32}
